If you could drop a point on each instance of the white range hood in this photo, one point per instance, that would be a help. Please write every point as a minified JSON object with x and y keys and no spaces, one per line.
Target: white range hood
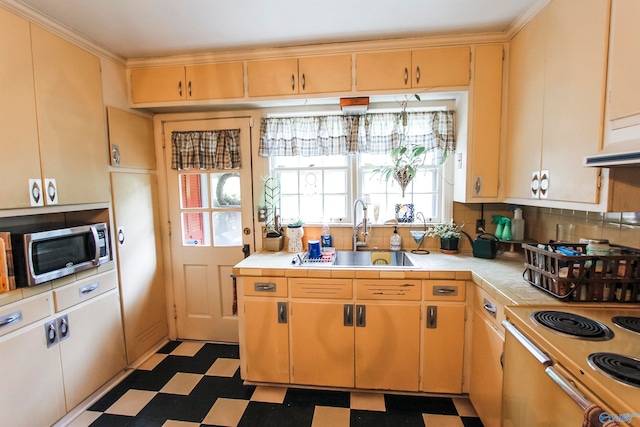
{"x":623,"y":148}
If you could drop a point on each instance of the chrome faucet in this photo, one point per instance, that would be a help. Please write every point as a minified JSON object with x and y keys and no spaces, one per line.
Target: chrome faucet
{"x":357,"y":243}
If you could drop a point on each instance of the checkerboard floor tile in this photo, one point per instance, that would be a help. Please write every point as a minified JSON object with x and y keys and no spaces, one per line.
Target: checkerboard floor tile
{"x":189,"y":384}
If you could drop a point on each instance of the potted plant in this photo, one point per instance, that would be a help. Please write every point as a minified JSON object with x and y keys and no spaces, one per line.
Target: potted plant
{"x":404,"y":162}
{"x":272,"y":239}
{"x":449,"y":234}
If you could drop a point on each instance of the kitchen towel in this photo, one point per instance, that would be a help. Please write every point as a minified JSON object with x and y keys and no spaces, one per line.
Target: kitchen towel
{"x":593,"y":416}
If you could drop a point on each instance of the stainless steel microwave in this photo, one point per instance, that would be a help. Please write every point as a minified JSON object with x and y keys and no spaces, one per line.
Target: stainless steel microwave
{"x":47,"y":255}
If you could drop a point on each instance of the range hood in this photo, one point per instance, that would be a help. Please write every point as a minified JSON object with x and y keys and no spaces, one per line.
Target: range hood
{"x":623,"y":149}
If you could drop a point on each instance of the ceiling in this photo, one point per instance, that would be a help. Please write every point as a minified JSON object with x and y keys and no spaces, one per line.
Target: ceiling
{"x":154,"y":28}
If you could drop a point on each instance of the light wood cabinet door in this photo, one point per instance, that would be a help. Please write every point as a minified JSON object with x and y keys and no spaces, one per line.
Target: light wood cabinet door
{"x":273,"y":77}
{"x":526,"y":97}
{"x":387,"y":346}
{"x":385,"y":70}
{"x":18,"y":125}
{"x":325,"y":74}
{"x":443,"y":349}
{"x":158,"y":84}
{"x":266,"y":340}
{"x":93,"y":353}
{"x":130,"y":140}
{"x":574,"y":95}
{"x":486,"y":370}
{"x":71,"y":119}
{"x":322,"y":343}
{"x":215,"y":81}
{"x":624,"y":65}
{"x":484,"y":150}
{"x":450,"y":66}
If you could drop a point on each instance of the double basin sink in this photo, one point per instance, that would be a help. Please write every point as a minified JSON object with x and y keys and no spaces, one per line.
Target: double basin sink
{"x":372,"y":259}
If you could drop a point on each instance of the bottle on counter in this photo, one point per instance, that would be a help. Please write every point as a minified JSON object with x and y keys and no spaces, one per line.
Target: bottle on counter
{"x":326,"y":239}
{"x":395,"y":242}
{"x":517,"y":225}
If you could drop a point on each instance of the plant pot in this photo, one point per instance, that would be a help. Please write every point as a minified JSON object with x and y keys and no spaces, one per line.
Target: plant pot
{"x":403,"y":177}
{"x":449,"y":245}
{"x":273,"y":244}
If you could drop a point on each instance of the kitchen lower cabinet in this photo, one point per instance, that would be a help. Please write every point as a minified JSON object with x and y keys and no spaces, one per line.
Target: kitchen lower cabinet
{"x":322,"y":343}
{"x":387,"y":346}
{"x":443,"y":348}
{"x":33,"y":389}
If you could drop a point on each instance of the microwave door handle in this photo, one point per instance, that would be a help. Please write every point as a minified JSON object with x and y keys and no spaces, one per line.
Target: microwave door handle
{"x":94,"y":232}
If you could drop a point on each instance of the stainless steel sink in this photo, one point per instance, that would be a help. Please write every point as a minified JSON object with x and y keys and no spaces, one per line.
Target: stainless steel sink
{"x":373,"y":258}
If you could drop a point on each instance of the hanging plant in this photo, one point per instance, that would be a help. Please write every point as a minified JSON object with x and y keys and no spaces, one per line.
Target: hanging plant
{"x":404,"y":163}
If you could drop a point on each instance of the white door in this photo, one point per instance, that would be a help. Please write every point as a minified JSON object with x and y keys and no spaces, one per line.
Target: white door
{"x":210,"y":212}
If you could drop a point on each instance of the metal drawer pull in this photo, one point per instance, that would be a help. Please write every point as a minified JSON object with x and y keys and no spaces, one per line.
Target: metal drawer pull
{"x":282,"y":312}
{"x":303,"y":82}
{"x":492,"y":309}
{"x":13,"y":317}
{"x":86,"y":290}
{"x":432,"y":317}
{"x":348,"y":315}
{"x":531,"y":348}
{"x":189,"y":88}
{"x":293,"y":82}
{"x":180,"y":88}
{"x":264,"y":287}
{"x":417,"y":74}
{"x":406,"y":75}
{"x":361,"y":320}
{"x":445,"y":290}
{"x":568,"y":387}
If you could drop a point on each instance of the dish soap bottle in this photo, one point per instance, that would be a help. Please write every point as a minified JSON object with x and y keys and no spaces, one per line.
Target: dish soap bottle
{"x":395,"y":241}
{"x":517,"y":225}
{"x":326,"y":239}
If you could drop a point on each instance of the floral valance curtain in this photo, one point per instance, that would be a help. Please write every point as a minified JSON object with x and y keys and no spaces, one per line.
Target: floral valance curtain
{"x":374,"y":133}
{"x":205,"y":149}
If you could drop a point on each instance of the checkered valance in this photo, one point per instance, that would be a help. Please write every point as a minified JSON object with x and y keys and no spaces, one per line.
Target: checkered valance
{"x":205,"y":149}
{"x":375,"y":133}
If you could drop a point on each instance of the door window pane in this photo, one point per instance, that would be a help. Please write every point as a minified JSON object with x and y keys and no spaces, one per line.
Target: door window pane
{"x":226,"y":189}
{"x":195,"y":229}
{"x":194,"y":192}
{"x":227,"y":228}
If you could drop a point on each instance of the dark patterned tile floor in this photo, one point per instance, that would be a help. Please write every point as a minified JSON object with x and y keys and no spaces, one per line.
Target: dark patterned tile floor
{"x":188,"y":384}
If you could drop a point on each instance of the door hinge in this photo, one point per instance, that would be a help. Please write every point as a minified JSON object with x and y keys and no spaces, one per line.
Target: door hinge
{"x":169,"y":227}
{"x":175,"y":312}
{"x":600,"y":179}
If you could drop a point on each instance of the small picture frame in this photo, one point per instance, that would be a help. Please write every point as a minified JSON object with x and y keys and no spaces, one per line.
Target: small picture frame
{"x":404,"y":212}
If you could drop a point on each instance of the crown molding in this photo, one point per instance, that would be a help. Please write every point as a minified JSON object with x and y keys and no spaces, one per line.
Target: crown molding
{"x":524,"y":19}
{"x":60,"y":30}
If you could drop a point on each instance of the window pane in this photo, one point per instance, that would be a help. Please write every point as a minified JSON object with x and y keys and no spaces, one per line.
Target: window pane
{"x":310,"y":208}
{"x":335,"y":181}
{"x":427,"y":204}
{"x":426,"y":182}
{"x":289,"y":207}
{"x":288,"y":182}
{"x":195,"y":229}
{"x":335,"y":206}
{"x":193,"y":190}
{"x":226,"y":189}
{"x":227,"y":228}
{"x":311,"y":182}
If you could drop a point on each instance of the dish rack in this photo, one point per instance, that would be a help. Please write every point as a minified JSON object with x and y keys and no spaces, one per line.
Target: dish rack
{"x":325,"y":259}
{"x":584,"y":278}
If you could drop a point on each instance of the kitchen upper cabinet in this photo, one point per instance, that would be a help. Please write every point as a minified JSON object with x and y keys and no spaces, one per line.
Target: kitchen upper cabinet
{"x":264,"y":329}
{"x":192,"y":82}
{"x":427,"y":68}
{"x":307,"y":75}
{"x":130,"y":140}
{"x":556,"y":98}
{"x":71,"y":121}
{"x":624,"y":60}
{"x":477,"y":175}
{"x":18,"y":122}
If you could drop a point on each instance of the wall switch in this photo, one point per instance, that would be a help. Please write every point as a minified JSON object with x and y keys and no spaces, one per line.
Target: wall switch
{"x":480,"y":226}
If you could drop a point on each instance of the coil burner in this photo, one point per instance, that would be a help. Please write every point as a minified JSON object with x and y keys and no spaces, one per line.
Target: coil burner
{"x":629,"y":323}
{"x":572,"y":325}
{"x":621,"y":368}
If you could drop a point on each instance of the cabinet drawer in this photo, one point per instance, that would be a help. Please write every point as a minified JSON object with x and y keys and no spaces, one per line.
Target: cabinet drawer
{"x":489,"y":307}
{"x":83,"y":290}
{"x":444,"y":290}
{"x":22,"y":313}
{"x":321,"y":288}
{"x":408,"y":290}
{"x":265,"y":286}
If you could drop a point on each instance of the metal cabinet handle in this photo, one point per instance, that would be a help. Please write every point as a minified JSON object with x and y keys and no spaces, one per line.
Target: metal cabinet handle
{"x":348,"y":315}
{"x":490,"y":307}
{"x":418,"y":74}
{"x":180,"y":88}
{"x":63,"y":327}
{"x":51,"y":333}
{"x":86,"y":290}
{"x":115,"y":154}
{"x":361,"y":319}
{"x":406,"y":75}
{"x":432,"y":317}
{"x":445,"y":291}
{"x":293,"y":82}
{"x":16,"y":316}
{"x":189,"y":89}
{"x":531,"y":348}
{"x":264,"y":287}
{"x":303,"y":82}
{"x":282,"y":312}
{"x":121,"y":236}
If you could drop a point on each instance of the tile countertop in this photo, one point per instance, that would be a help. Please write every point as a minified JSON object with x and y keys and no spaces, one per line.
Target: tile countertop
{"x":500,"y":277}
